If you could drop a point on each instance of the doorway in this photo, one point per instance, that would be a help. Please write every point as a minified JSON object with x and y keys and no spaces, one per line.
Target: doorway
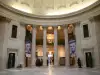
{"x":89,"y":59}
{"x":11,"y":60}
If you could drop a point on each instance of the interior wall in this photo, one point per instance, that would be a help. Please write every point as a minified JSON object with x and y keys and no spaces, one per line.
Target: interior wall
{"x":97,"y":26}
{"x":39,"y":49}
{"x":87,"y":42}
{"x":90,"y":42}
{"x":22,"y":44}
{"x":61,"y":51}
{"x":2,"y":32}
{"x":14,"y":43}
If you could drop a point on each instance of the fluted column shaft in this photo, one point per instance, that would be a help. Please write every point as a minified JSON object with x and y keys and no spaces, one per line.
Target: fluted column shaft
{"x":55,"y":47}
{"x":66,"y":46}
{"x":44,"y":46}
{"x":33,"y":46}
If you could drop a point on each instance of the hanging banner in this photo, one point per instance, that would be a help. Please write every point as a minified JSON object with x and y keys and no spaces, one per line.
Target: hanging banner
{"x":28,"y":49}
{"x":72,"y":46}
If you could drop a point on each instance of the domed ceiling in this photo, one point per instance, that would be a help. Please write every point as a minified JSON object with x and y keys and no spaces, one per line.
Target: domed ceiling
{"x":49,"y":7}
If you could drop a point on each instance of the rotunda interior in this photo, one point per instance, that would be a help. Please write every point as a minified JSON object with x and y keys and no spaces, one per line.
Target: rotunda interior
{"x":49,"y":32}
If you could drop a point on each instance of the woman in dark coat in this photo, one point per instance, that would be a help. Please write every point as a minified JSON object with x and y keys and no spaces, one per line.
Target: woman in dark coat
{"x":38,"y":63}
{"x":79,"y":63}
{"x":41,"y":62}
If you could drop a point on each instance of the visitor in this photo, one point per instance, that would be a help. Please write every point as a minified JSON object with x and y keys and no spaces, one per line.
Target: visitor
{"x":47,"y":62}
{"x":19,"y":66}
{"x":38,"y":63}
{"x":79,"y":63}
{"x":41,"y":62}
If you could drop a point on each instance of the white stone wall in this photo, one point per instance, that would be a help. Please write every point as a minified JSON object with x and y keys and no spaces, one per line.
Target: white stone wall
{"x":89,"y":44}
{"x":2,"y":32}
{"x":96,"y":22}
{"x":10,"y":43}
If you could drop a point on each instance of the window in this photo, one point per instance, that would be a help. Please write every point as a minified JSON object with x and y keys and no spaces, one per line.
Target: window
{"x":85,"y":31}
{"x":14,"y":31}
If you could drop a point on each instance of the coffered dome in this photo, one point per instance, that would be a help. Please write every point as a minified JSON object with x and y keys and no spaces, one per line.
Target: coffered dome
{"x":49,"y":7}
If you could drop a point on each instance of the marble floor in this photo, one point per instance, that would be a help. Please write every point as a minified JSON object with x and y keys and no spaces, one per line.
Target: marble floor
{"x":51,"y":71}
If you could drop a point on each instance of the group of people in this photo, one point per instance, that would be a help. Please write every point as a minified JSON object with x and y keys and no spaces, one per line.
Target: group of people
{"x":39,"y":62}
{"x":50,"y":60}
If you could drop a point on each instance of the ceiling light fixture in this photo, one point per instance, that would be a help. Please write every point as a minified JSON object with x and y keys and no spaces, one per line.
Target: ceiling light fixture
{"x":29,"y":28}
{"x":41,"y":28}
{"x":50,"y":38}
{"x":59,"y":27}
{"x":70,"y":28}
{"x":50,"y":28}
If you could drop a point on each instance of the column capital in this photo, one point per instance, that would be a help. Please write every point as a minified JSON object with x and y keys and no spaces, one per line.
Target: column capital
{"x":44,"y":27}
{"x":65,"y":26}
{"x":91,"y":19}
{"x":77,"y":23}
{"x":55,"y":27}
{"x":34,"y":26}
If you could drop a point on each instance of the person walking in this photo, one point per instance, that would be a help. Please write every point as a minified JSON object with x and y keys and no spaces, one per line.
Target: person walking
{"x":79,"y":63}
{"x":41,"y":62}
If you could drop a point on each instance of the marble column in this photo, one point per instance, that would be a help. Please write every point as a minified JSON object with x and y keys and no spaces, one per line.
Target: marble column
{"x":33,"y":46}
{"x":44,"y":47}
{"x":55,"y":47}
{"x":66,"y":46}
